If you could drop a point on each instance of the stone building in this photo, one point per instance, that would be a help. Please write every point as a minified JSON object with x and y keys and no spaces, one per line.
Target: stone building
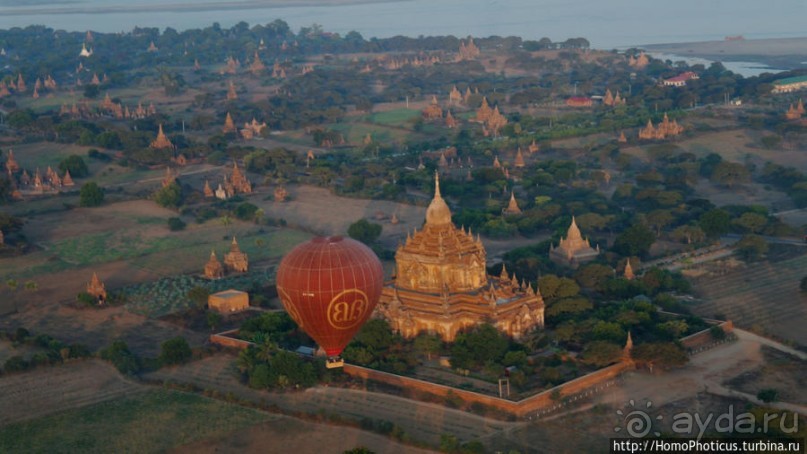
{"x":213,"y":268}
{"x":228,"y":301}
{"x":433,"y":110}
{"x":664,"y":130}
{"x":236,"y":260}
{"x":442,"y":286}
{"x":573,"y":250}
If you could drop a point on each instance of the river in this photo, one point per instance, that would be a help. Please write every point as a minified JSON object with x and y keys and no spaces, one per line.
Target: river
{"x":607,"y":24}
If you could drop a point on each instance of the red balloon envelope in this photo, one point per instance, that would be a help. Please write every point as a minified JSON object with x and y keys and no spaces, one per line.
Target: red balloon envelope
{"x":330,"y":286}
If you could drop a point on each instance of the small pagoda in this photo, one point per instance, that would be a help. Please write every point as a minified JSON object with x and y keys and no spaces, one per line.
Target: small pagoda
{"x":512,"y":208}
{"x":231,"y":93}
{"x":281,"y":194}
{"x":97,"y":289}
{"x":628,"y":273}
{"x":214,"y":268}
{"x":11,"y":163}
{"x":433,"y":110}
{"x":162,"y":142}
{"x":573,"y":250}
{"x":67,"y":180}
{"x":208,"y":191}
{"x":519,"y":161}
{"x":229,"y":125}
{"x":236,"y":260}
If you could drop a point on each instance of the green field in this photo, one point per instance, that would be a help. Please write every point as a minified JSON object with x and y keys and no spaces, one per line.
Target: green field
{"x":154,"y":421}
{"x":397,"y":117}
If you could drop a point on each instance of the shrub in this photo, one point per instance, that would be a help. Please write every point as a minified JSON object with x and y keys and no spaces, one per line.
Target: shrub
{"x":175,"y":351}
{"x":717,"y":333}
{"x":176,"y":224}
{"x":768,"y":395}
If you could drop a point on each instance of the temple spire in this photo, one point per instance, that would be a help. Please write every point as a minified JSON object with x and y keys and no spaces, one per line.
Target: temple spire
{"x":437,"y":185}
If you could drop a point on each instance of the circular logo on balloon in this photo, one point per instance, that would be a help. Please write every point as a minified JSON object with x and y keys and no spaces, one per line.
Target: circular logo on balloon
{"x":290,"y":309}
{"x":348,"y":309}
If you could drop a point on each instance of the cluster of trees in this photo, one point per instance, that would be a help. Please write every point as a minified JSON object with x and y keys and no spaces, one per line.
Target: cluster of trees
{"x":54,"y":351}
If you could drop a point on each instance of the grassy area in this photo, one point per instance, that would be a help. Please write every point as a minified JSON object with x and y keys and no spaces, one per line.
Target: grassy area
{"x":43,"y":154}
{"x":397,"y":117}
{"x":150,"y":422}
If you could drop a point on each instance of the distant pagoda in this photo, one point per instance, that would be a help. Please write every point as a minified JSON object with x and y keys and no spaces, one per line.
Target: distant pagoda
{"x":97,"y":289}
{"x":162,"y":142}
{"x":214,"y":268}
{"x":236,"y":260}
{"x":573,"y":250}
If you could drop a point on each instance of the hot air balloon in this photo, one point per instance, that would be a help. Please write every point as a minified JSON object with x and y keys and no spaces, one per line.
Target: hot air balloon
{"x":329,"y":286}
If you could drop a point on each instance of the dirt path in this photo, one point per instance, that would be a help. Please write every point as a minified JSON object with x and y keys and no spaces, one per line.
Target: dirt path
{"x":420,"y":420}
{"x":286,"y":434}
{"x":49,"y":390}
{"x":706,"y":372}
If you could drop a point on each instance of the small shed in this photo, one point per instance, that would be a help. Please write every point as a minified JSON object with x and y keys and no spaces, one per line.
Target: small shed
{"x":228,"y":301}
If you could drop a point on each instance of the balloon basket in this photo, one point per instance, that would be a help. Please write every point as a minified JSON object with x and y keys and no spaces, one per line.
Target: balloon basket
{"x":334,"y":362}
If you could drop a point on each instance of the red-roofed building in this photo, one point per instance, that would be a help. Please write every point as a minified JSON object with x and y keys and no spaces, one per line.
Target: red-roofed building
{"x":680,"y":80}
{"x":579,"y":101}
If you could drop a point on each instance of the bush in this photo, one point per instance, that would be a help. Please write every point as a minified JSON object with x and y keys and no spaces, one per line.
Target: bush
{"x":365,"y":231}
{"x":15,"y":364}
{"x":169,"y":196}
{"x":119,"y":355}
{"x":176,"y":224}
{"x":21,"y":334}
{"x":175,"y":351}
{"x":91,"y":195}
{"x":76,"y":165}
{"x":768,"y":395}
{"x":717,"y":333}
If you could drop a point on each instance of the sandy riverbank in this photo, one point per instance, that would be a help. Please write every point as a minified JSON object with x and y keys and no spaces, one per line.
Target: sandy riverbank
{"x":785,"y":53}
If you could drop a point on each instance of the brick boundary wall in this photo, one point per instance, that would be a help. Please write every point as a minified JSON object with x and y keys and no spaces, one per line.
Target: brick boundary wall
{"x":702,"y":338}
{"x":540,"y":404}
{"x":228,"y":339}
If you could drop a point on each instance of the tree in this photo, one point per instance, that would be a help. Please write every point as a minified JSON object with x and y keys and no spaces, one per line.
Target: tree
{"x":715,"y":222}
{"x":75,"y":165}
{"x":730,"y":173}
{"x":198,"y":295}
{"x":429,"y":344}
{"x":751,"y":247}
{"x":246,"y":211}
{"x":553,"y":287}
{"x":634,"y":241}
{"x":169,"y":196}
{"x":119,"y":355}
{"x":601,"y":353}
{"x":175,"y":351}
{"x":480,"y":345}
{"x":364,"y":231}
{"x":751,"y":222}
{"x":663,"y":354}
{"x":803,"y":284}
{"x":689,"y":233}
{"x":91,"y":195}
{"x":658,"y":219}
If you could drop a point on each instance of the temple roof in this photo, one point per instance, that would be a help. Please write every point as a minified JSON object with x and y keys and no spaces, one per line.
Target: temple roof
{"x":438,"y":214}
